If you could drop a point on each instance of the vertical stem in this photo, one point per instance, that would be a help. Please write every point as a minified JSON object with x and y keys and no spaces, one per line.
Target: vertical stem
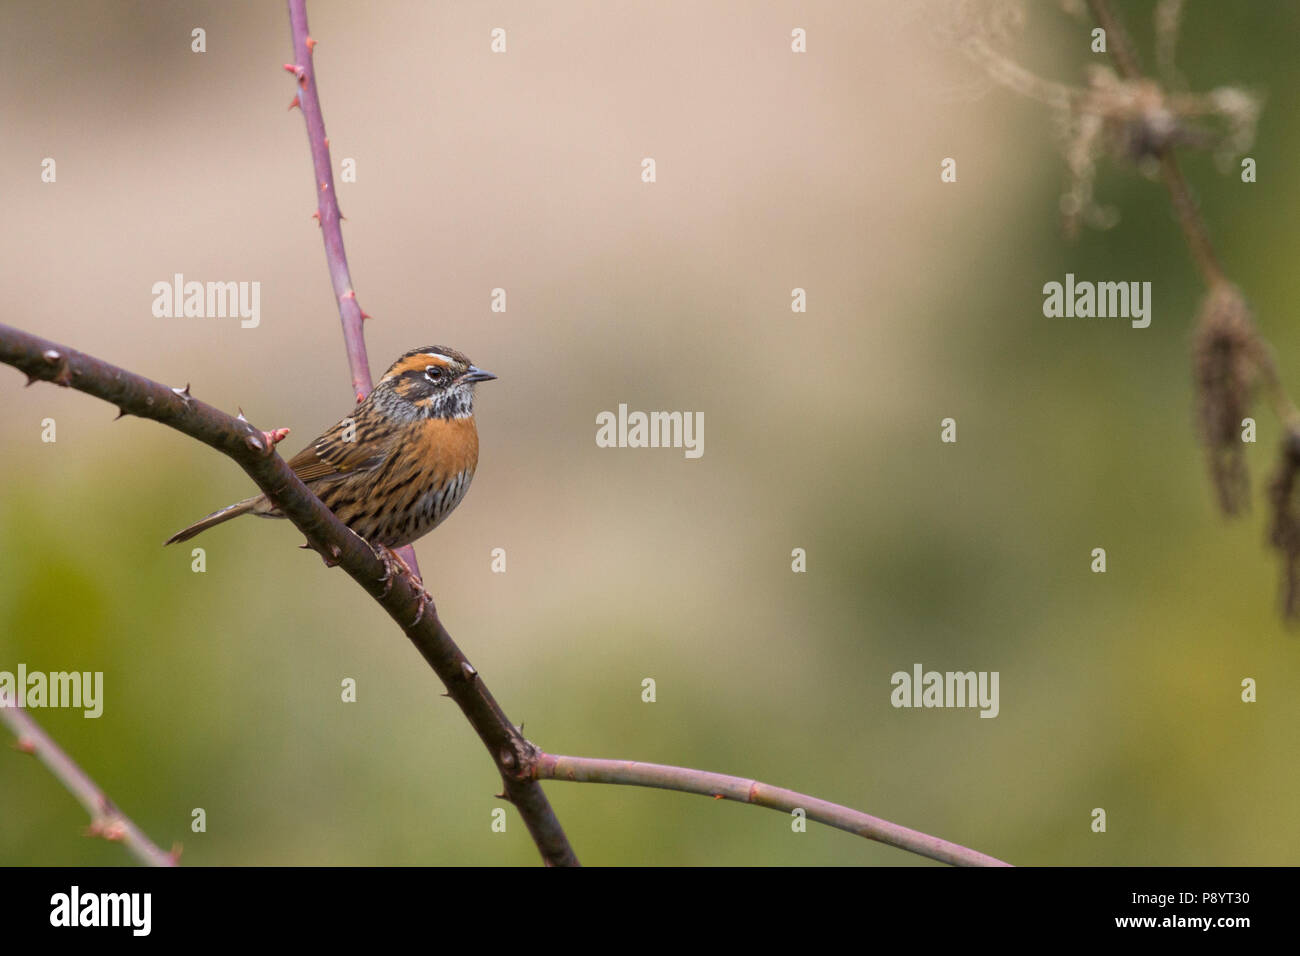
{"x":526,"y":794}
{"x":1180,"y":194}
{"x":331,"y":219}
{"x":327,"y":202}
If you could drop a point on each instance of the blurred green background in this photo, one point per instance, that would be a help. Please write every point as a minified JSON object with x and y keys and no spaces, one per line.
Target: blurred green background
{"x":522,"y":171}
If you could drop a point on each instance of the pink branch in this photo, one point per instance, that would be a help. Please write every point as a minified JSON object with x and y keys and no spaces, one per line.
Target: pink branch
{"x":327,"y":212}
{"x":721,"y":786}
{"x":106,"y":820}
{"x":327,"y":202}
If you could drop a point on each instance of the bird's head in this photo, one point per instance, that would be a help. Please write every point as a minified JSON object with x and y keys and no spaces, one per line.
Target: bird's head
{"x":431,"y":382}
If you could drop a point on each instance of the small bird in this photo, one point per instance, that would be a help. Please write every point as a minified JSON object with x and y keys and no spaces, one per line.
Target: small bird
{"x":396,"y":467}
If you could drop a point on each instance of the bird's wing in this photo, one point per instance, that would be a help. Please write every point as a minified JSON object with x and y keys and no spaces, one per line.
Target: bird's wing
{"x":333,"y":454}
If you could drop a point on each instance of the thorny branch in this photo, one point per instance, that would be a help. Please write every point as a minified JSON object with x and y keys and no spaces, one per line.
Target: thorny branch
{"x":328,"y":214}
{"x":106,"y":820}
{"x":520,"y":763}
{"x":402,"y":597}
{"x":507,"y":746}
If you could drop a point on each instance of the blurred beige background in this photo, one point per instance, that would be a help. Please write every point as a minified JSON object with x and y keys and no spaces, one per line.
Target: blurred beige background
{"x":522,"y":171}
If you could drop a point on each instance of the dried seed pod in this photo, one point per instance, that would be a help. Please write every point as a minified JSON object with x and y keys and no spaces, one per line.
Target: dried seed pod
{"x":1226,"y":354}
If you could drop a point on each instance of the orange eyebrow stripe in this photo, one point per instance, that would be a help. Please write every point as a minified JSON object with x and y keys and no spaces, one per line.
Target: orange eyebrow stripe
{"x":418,"y":363}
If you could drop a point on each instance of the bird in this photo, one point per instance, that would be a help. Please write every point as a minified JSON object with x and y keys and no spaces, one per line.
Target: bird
{"x":394,"y":469}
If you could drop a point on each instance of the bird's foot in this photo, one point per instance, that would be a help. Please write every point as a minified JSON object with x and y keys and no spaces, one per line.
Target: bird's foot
{"x":394,"y":564}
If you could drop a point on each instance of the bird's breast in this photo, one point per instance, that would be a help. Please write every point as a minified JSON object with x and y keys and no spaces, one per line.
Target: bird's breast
{"x":446,"y":447}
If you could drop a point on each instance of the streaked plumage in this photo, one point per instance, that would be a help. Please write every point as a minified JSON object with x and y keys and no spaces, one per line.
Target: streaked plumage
{"x":400,"y":463}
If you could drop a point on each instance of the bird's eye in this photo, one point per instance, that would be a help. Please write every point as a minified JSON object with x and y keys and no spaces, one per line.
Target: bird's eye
{"x":434,"y":373}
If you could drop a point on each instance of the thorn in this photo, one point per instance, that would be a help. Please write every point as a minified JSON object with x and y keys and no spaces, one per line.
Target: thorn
{"x":298,"y":71}
{"x":183,"y":393}
{"x":31,"y":380}
{"x":175,"y":854}
{"x":121,"y":413}
{"x":295,"y":103}
{"x":327,"y":142}
{"x":316,"y":216}
{"x":501,"y":795}
{"x":360,"y":398}
{"x":350,"y":294}
{"x":310,"y":44}
{"x":274,"y":437}
{"x":718,"y":796}
{"x":240,"y":417}
{"x":467,"y":669}
{"x":55,"y":357}
{"x":25,"y":745}
{"x":114,"y":831}
{"x":324,"y":186}
{"x":330,"y":559}
{"x":107,"y":828}
{"x":366,"y":315}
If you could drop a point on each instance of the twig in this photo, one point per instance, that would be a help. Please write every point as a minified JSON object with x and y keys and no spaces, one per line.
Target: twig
{"x":106,"y":820}
{"x":405,"y":601}
{"x":327,"y":201}
{"x":723,"y":786}
{"x":1117,"y":40}
{"x":328,"y":215}
{"x":1180,"y":194}
{"x":511,"y":759}
{"x":1189,"y":215}
{"x":1285,"y":532}
{"x":536,"y":810}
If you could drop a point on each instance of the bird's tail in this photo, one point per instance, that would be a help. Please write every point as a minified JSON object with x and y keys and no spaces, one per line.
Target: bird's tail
{"x":225,"y":514}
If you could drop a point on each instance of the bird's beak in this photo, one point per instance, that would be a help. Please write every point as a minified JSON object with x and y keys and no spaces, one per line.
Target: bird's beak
{"x":476,"y":374}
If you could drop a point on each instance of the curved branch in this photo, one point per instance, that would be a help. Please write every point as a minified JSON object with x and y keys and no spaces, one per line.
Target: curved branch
{"x":519,"y":762}
{"x":722,"y":786}
{"x":106,"y":820}
{"x":404,"y":600}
